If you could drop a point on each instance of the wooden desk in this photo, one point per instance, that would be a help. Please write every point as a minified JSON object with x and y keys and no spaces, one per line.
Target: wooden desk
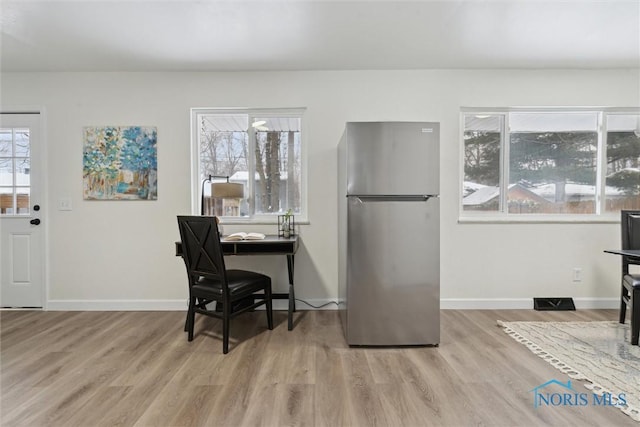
{"x":634,"y":253}
{"x":271,"y":245}
{"x":629,"y":257}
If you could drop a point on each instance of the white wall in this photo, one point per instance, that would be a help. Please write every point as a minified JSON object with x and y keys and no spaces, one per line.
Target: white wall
{"x":120,"y":254}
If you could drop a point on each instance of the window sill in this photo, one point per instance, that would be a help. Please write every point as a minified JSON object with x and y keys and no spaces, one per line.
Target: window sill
{"x":233,"y":221}
{"x":539,"y":219}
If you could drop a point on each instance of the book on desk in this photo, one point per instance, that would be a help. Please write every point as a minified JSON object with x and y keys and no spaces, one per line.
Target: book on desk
{"x":244,"y":236}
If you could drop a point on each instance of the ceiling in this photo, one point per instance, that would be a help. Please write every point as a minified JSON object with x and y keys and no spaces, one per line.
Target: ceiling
{"x":207,"y":35}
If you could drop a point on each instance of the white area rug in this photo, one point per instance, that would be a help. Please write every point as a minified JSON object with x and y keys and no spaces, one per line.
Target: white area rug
{"x":597,"y":352}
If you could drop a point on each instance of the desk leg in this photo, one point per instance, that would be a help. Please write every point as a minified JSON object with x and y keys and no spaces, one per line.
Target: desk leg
{"x":292,"y":295}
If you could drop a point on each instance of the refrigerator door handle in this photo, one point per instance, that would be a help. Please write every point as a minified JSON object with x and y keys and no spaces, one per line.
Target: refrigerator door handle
{"x":395,"y":198}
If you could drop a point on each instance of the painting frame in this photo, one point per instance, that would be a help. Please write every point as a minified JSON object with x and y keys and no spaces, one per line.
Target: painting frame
{"x":120,"y":163}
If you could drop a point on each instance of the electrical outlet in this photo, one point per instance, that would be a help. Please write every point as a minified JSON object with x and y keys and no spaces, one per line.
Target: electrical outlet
{"x":577,"y":274}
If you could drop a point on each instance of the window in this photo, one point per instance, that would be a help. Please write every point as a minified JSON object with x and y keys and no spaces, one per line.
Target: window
{"x":623,"y":162}
{"x":259,"y":149}
{"x":15,"y":166}
{"x":550,"y":162}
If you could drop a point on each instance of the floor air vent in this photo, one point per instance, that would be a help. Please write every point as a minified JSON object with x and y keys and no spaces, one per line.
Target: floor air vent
{"x":547,"y":304}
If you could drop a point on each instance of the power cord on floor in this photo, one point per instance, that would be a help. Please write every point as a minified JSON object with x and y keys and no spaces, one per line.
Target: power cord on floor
{"x":319,"y":306}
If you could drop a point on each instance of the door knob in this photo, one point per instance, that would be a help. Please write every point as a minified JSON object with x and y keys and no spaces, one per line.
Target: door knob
{"x":36,"y":207}
{"x":35,"y":221}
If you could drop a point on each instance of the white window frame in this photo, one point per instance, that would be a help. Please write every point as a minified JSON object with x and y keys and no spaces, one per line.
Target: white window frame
{"x":196,"y":182}
{"x":502,"y":216}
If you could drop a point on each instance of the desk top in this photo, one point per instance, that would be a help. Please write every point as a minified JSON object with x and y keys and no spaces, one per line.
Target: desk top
{"x":635,"y":253}
{"x":268,"y":239}
{"x":271,"y":244}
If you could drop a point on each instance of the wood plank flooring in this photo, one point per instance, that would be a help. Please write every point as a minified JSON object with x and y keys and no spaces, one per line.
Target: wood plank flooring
{"x":137,"y":369}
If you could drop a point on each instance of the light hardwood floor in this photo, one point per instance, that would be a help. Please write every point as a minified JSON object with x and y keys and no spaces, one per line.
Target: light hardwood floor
{"x":137,"y":369}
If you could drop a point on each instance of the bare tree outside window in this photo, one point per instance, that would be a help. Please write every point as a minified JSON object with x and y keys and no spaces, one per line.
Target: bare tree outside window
{"x":262,"y":153}
{"x":277,"y":170}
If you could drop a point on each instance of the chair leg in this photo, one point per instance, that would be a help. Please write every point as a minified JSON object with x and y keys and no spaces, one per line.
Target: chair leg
{"x":186,"y":320}
{"x":267,"y":295}
{"x":226,"y":314}
{"x":191,"y":318}
{"x":635,"y":316}
{"x":623,"y":305}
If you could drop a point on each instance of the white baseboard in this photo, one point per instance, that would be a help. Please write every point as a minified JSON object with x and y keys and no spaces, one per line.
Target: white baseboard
{"x":445,"y":304}
{"x":162,"y":305}
{"x":520,"y":303}
{"x":485,"y":303}
{"x":597,"y":303}
{"x":117,"y":305}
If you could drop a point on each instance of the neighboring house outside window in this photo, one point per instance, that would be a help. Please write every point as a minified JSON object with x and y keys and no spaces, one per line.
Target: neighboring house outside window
{"x":550,"y":162}
{"x":260,"y":149}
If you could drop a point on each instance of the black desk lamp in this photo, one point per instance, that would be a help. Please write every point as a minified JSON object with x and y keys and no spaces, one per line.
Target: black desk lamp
{"x":221,"y":190}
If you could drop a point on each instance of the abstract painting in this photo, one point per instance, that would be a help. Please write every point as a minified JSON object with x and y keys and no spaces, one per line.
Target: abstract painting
{"x":120,"y":163}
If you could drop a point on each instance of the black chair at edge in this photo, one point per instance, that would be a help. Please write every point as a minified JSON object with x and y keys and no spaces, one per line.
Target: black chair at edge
{"x":210,"y":281}
{"x":630,"y":224}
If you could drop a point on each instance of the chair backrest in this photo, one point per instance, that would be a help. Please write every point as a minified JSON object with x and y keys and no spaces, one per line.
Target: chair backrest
{"x":202,"y":249}
{"x":630,"y":224}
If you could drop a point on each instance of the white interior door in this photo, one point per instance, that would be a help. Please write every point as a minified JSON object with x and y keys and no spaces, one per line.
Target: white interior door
{"x":21,"y":227}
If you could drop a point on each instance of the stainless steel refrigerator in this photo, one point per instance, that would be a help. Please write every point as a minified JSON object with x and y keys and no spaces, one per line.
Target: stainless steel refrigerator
{"x":389,"y":233}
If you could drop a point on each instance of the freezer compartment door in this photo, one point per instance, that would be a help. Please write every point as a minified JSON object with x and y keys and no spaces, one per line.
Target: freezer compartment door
{"x":393,"y":272}
{"x":392,"y":158}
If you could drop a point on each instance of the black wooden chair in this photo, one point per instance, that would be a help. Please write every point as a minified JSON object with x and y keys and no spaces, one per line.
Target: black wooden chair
{"x":630,"y":224}
{"x":210,"y":281}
